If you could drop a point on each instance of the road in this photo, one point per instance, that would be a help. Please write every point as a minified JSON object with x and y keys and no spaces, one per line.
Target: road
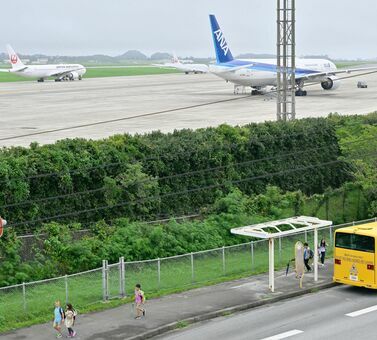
{"x":316,"y":316}
{"x":106,"y":106}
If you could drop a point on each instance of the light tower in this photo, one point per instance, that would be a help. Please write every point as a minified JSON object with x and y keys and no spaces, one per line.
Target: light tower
{"x":286,"y":66}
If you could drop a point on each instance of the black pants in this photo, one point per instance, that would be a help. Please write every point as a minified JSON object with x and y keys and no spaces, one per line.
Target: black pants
{"x":323,"y":257}
{"x":70,"y":330}
{"x":306,"y":262}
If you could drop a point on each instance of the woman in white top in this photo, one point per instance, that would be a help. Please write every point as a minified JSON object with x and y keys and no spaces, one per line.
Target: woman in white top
{"x":322,"y":251}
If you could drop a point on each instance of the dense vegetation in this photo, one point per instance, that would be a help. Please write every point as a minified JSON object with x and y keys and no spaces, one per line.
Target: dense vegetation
{"x":146,"y":176}
{"x":233,"y":176}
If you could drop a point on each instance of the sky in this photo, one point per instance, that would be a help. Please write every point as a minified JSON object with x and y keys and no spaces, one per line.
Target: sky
{"x":337,"y":28}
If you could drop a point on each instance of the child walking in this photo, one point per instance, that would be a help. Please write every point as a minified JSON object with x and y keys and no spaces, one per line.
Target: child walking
{"x":139,"y":302}
{"x":70,"y":316}
{"x":58,"y":318}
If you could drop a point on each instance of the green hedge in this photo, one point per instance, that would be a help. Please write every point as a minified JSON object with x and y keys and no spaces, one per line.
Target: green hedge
{"x":124,"y":176}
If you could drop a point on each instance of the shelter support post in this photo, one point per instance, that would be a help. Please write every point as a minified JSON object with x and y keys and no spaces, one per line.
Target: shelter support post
{"x":315,"y":251}
{"x":271,"y":266}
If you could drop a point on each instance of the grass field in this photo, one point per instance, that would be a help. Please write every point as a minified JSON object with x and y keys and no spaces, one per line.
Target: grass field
{"x":100,"y":72}
{"x":85,"y":290}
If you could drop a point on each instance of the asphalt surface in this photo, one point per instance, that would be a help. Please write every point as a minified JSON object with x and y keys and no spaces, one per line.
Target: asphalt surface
{"x":315,"y":316}
{"x":30,"y":107}
{"x":119,"y":323}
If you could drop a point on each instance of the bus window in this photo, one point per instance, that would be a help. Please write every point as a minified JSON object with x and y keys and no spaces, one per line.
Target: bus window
{"x":355,"y":242}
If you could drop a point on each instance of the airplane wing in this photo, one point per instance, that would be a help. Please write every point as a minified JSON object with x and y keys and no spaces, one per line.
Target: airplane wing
{"x":4,"y":70}
{"x":64,"y":73}
{"x":312,"y":76}
{"x":121,"y":66}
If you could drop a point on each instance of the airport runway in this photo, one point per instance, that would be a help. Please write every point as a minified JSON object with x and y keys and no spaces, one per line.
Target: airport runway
{"x":28,"y":108}
{"x":341,"y":313}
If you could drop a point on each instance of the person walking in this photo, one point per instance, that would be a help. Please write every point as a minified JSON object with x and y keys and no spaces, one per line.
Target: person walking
{"x":139,"y":301}
{"x":322,"y":251}
{"x":307,"y":256}
{"x":59,"y":317}
{"x":70,"y":316}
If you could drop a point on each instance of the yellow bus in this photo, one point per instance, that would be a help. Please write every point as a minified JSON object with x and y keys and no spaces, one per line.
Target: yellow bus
{"x":355,"y":255}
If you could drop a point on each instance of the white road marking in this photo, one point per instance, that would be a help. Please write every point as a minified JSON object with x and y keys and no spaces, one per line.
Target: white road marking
{"x":284,"y":335}
{"x":362,"y":311}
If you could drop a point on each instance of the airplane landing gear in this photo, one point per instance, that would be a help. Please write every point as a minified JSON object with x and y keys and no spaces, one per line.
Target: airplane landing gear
{"x":300,"y":93}
{"x":41,"y":80}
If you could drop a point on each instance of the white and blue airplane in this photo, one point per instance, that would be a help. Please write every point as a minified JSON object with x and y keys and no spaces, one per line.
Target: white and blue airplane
{"x":260,"y":74}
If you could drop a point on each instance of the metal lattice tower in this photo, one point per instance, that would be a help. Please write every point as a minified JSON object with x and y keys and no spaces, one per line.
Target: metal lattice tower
{"x":286,"y":66}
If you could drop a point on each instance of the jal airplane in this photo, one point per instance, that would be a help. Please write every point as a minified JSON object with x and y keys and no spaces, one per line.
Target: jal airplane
{"x":261,"y":73}
{"x":41,"y":72}
{"x":185,"y":67}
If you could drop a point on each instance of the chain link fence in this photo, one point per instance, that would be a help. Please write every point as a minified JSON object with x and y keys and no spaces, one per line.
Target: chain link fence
{"x":34,"y":300}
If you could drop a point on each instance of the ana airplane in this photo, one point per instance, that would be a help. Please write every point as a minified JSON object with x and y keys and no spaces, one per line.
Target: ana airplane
{"x":58,"y":71}
{"x":185,"y":67}
{"x":259,"y":74}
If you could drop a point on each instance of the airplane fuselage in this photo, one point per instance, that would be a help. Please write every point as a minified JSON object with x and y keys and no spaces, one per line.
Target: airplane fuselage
{"x":45,"y":71}
{"x":262,"y":72}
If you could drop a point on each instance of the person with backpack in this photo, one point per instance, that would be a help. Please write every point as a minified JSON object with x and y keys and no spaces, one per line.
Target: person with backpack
{"x":70,"y":318}
{"x":139,"y":301}
{"x":322,"y":251}
{"x":59,"y":317}
{"x":308,"y":254}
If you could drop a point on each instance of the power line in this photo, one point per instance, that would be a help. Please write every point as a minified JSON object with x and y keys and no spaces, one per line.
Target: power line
{"x":154,"y":198}
{"x":90,"y":191}
{"x":189,"y":173}
{"x":105,"y":165}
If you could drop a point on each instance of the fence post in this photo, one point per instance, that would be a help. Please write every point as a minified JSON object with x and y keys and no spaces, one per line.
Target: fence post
{"x":223,"y":260}
{"x":252,"y":254}
{"x":192,"y":267}
{"x":122,"y":293}
{"x":280,"y":250}
{"x":24,"y":295}
{"x":105,"y":281}
{"x":159,"y":271}
{"x":66,"y":288}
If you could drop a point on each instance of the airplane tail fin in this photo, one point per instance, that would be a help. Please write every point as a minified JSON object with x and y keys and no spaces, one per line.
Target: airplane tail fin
{"x":223,"y":53}
{"x":14,"y":59}
{"x":175,"y":59}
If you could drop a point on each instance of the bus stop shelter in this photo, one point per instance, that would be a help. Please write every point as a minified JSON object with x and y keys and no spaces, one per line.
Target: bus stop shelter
{"x":281,"y":228}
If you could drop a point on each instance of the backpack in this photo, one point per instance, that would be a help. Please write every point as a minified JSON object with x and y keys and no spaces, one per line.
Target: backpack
{"x":311,"y":254}
{"x":61,"y":310}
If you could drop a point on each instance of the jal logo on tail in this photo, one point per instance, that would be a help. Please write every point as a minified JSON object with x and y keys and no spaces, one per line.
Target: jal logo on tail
{"x":221,"y":39}
{"x":13,"y":59}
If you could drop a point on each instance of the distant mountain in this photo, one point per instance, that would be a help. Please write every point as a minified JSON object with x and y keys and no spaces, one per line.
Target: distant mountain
{"x":160,"y":56}
{"x":132,"y":55}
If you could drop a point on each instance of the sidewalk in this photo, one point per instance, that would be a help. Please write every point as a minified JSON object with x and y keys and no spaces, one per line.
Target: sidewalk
{"x":194,"y":305}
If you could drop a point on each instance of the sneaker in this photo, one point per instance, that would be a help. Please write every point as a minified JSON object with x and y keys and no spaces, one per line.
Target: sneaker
{"x":73,"y":334}
{"x":59,"y":335}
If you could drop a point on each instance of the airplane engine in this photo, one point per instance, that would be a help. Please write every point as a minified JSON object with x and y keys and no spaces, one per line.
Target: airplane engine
{"x":73,"y":75}
{"x":330,"y":83}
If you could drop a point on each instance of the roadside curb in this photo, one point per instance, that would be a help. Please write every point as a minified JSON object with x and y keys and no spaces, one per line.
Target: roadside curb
{"x":230,"y":310}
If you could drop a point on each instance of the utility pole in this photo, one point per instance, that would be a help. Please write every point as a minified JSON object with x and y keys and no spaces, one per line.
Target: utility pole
{"x":285,"y":63}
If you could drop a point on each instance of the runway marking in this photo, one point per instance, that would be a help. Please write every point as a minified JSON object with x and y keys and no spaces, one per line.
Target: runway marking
{"x":284,"y":335}
{"x":362,"y":311}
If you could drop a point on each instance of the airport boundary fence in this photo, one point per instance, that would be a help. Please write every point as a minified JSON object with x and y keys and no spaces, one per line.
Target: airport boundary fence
{"x":34,"y":300}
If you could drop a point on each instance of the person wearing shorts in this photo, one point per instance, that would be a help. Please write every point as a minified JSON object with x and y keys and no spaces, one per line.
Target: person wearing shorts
{"x":58,"y":318}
